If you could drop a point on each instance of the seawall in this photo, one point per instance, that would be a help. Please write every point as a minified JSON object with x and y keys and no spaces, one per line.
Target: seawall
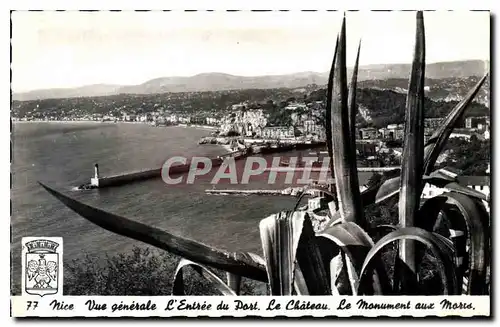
{"x":126,"y":178}
{"x":319,"y":169}
{"x":130,"y":177}
{"x":245,"y":192}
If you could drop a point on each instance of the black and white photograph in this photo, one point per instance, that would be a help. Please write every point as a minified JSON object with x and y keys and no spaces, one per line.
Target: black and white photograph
{"x":327,"y":163}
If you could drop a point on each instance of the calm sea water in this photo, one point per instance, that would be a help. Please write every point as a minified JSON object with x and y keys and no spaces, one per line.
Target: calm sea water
{"x":63,"y":155}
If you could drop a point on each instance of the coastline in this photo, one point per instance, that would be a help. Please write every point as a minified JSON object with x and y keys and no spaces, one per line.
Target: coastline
{"x":201,"y":127}
{"x":226,"y":147}
{"x":59,"y":121}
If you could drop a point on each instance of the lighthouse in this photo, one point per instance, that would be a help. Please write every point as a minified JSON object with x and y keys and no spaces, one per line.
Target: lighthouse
{"x":96,"y":171}
{"x":94,"y":181}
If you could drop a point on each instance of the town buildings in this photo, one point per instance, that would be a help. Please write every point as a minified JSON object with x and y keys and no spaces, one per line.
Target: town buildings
{"x":296,"y":106}
{"x":392,"y":132}
{"x":368,"y":133}
{"x":277,"y":132}
{"x":311,"y":128}
{"x":477,"y":122}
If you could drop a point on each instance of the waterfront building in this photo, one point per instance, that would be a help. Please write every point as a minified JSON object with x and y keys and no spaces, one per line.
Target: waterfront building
{"x":212,"y":121}
{"x":310,"y":127}
{"x":278,"y":132}
{"x":254,"y":118}
{"x":299,"y":118}
{"x":184,"y":120}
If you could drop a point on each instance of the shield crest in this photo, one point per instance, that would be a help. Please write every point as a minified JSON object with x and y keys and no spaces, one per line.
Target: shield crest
{"x":42,"y":264}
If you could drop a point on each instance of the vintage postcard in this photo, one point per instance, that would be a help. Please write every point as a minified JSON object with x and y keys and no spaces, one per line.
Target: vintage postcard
{"x":300,"y":163}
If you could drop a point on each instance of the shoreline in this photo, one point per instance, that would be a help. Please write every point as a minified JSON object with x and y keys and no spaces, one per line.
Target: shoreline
{"x":226,"y":147}
{"x":59,"y":121}
{"x":200,"y":127}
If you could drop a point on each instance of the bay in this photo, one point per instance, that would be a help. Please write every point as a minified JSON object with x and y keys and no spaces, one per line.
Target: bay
{"x":63,"y":155}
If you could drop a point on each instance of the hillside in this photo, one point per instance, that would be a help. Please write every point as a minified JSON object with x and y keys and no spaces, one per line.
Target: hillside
{"x":388,"y":107}
{"x":445,"y":89}
{"x":84,"y":91}
{"x":220,"y":81}
{"x":383,"y":106}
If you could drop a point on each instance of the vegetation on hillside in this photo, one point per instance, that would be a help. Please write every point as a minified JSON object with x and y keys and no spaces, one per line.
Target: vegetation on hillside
{"x":385,"y":106}
{"x":471,"y":157}
{"x":388,"y":107}
{"x":183,"y":102}
{"x":142,"y":272}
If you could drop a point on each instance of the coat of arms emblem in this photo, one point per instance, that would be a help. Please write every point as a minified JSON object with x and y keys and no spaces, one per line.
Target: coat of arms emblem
{"x":42,"y":258}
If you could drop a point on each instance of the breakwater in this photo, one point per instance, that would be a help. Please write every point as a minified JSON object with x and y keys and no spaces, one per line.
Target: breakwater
{"x":244,"y":192}
{"x":290,"y":191}
{"x":319,"y":169}
{"x":266,"y":146}
{"x":137,"y":176}
{"x":287,"y":147}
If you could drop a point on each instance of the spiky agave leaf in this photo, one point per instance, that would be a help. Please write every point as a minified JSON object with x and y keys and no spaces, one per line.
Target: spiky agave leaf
{"x":344,"y":156}
{"x":345,"y":245}
{"x":352,"y":98}
{"x":328,"y":112}
{"x":387,"y":190}
{"x":205,"y":273}
{"x":368,"y":196}
{"x":457,"y":188}
{"x":441,"y":180}
{"x":475,"y":225}
{"x":287,"y":238}
{"x":242,"y":264}
{"x":280,"y":235}
{"x":234,"y":282}
{"x":412,"y":158}
{"x":440,"y":247}
{"x":310,"y":264}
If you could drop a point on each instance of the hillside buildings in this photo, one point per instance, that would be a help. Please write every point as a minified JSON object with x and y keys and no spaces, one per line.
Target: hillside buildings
{"x":255,"y":123}
{"x":277,"y":132}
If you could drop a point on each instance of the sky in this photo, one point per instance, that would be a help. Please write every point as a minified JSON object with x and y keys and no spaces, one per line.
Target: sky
{"x":70,"y":49}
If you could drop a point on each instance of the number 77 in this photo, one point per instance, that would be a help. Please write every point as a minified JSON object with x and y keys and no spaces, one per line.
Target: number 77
{"x":32,"y":305}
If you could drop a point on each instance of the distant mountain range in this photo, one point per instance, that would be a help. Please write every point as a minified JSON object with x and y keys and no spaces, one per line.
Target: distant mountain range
{"x":220,"y":81}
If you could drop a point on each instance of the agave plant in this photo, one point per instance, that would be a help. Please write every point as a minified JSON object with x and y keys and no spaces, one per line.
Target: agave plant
{"x":450,"y":232}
